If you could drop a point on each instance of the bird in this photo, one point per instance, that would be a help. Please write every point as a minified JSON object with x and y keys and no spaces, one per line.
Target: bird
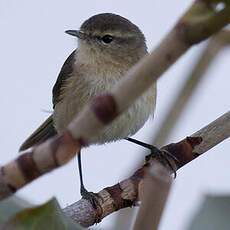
{"x":108,"y":46}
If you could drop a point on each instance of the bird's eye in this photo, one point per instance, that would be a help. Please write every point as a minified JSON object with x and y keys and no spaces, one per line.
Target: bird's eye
{"x":107,"y":39}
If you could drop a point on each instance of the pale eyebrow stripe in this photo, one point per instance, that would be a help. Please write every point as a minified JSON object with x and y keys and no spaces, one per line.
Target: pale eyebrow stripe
{"x":113,"y":33}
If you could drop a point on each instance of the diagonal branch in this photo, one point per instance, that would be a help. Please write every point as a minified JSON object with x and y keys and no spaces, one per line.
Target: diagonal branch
{"x":215,"y":45}
{"x":158,"y":182}
{"x":208,"y":55}
{"x":200,"y":21}
{"x":125,"y":193}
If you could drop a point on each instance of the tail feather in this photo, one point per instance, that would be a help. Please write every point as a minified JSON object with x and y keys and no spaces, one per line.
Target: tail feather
{"x":44,"y":132}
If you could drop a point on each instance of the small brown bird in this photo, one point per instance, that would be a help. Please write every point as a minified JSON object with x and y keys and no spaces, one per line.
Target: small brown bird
{"x":108,"y":46}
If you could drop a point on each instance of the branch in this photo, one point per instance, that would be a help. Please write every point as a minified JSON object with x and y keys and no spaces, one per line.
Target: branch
{"x":214,"y":46}
{"x":200,"y":21}
{"x":125,"y":193}
{"x":157,"y":182}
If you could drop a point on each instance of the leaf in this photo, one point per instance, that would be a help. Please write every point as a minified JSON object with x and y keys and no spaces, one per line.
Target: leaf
{"x":46,"y":216}
{"x":214,"y":214}
{"x":9,"y":207}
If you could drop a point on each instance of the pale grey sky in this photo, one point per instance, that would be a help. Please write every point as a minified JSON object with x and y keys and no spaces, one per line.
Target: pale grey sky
{"x":33,"y":48}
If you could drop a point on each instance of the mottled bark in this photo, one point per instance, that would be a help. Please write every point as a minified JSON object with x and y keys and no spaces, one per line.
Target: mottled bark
{"x":125,"y":193}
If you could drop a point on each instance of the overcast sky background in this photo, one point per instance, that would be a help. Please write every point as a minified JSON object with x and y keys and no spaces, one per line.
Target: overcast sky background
{"x":33,"y":48}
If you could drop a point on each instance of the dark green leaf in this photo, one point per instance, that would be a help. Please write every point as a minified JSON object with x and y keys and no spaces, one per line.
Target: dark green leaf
{"x":9,"y":207}
{"x":47,"y":216}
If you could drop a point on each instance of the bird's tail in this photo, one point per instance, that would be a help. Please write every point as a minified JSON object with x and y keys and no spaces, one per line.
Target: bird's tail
{"x":45,"y":131}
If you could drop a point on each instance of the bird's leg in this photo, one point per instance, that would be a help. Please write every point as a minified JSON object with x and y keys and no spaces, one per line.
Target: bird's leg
{"x":162,"y":155}
{"x":90,"y":196}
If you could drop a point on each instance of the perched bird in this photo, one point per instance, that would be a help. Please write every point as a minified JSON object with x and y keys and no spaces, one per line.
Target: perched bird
{"x":108,"y":46}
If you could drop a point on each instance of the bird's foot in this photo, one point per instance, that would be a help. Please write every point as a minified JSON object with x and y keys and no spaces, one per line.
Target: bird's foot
{"x":90,"y":196}
{"x":93,"y":200}
{"x":164,"y":156}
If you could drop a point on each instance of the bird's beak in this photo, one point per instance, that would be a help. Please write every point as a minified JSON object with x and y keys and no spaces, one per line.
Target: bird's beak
{"x":76,"y":33}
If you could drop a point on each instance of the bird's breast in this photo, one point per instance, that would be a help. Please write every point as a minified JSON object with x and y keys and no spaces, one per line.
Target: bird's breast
{"x":83,"y":85}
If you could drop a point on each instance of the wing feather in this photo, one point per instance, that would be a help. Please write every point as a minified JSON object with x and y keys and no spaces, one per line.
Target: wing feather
{"x":65,"y":73}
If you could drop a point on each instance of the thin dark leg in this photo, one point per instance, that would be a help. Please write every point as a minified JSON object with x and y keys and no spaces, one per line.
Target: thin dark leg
{"x":90,"y":196}
{"x":82,"y":187}
{"x":162,"y":155}
{"x":143,"y":144}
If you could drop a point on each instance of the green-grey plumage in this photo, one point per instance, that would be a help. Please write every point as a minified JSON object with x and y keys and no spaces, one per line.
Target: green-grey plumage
{"x":108,"y":46}
{"x":47,"y":129}
{"x":64,"y":74}
{"x":110,"y":22}
{"x":127,"y":36}
{"x":44,"y":132}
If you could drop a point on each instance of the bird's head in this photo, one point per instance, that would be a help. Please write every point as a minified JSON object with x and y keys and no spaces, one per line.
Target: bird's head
{"x":111,"y":36}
